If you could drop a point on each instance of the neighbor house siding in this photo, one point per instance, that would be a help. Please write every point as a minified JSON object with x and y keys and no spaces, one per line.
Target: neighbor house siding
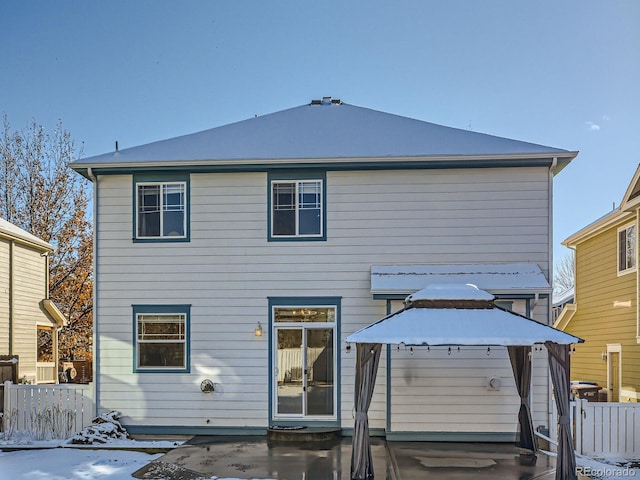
{"x":228,"y":269}
{"x":29,"y":290}
{"x":4,"y":296}
{"x":606,"y":313}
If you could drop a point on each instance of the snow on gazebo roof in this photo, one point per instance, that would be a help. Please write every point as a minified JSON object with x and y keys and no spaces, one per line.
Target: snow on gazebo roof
{"x":444,"y":291}
{"x":419,"y":325}
{"x":498,"y":278}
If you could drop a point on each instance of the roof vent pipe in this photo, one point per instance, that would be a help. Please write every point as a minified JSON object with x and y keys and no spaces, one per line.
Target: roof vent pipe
{"x":327,"y":101}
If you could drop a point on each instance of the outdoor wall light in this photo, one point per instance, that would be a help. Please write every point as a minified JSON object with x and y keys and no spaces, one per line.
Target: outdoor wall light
{"x":258,"y":331}
{"x":603,"y":356}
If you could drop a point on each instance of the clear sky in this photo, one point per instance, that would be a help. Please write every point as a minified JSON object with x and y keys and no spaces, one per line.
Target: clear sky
{"x":560,"y":73}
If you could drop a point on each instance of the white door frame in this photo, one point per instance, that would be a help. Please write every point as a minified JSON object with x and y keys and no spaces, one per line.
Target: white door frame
{"x":617,"y":349}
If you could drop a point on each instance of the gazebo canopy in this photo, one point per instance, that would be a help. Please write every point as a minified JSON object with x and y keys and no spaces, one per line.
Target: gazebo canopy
{"x":457,"y":315}
{"x":462,"y":314}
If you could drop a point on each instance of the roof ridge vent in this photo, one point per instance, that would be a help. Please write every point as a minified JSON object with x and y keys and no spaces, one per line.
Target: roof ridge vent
{"x":327,"y":101}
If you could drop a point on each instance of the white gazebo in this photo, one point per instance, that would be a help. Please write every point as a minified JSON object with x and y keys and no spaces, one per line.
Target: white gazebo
{"x":463,"y":315}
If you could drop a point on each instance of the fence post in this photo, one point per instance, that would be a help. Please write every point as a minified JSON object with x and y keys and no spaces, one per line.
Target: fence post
{"x":577,"y":421}
{"x":7,"y":402}
{"x":6,"y":405}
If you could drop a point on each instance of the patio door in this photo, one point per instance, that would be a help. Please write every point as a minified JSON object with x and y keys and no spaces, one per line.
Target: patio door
{"x":304,"y":363}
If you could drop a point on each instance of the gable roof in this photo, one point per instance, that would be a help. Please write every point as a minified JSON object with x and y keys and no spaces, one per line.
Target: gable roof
{"x":621,"y":214}
{"x":9,"y":230}
{"x":631,"y":198}
{"x":327,"y":130}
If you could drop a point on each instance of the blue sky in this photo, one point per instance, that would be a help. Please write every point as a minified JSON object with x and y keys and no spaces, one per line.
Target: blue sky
{"x":564,"y":74}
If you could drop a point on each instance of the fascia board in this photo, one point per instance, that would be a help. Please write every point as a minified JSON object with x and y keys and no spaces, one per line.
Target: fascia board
{"x":565,"y":317}
{"x":54,"y":312}
{"x":610,"y":219}
{"x":38,"y":245}
{"x":625,"y":204}
{"x":513,"y":292}
{"x":543,"y":158}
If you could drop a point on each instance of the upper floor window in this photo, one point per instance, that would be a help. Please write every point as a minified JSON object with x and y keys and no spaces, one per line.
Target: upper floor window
{"x":297,"y":208}
{"x":627,"y":249}
{"x":161,"y":210}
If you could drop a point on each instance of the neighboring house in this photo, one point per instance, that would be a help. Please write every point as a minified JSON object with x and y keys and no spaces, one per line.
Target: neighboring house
{"x":562,"y":302}
{"x":29,"y":320}
{"x":232,"y":263}
{"x":605,"y":311}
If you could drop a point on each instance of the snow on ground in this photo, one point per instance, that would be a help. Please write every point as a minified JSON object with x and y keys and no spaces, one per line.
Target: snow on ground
{"x":77,"y":463}
{"x":109,"y":463}
{"x":102,"y":451}
{"x":71,"y":463}
{"x":105,"y":459}
{"x":597,"y":470}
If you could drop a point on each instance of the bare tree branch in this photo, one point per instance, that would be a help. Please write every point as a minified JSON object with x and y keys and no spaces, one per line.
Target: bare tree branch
{"x":41,"y":194}
{"x":564,"y":276}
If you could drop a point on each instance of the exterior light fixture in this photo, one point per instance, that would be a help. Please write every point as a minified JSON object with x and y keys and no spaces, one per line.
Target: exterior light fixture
{"x":258,"y":331}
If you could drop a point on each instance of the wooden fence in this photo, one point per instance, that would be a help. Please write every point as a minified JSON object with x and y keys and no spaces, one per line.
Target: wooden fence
{"x":604,"y":429}
{"x":46,"y":411}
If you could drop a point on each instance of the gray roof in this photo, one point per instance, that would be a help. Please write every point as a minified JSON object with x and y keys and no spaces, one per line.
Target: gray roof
{"x":325,"y":130}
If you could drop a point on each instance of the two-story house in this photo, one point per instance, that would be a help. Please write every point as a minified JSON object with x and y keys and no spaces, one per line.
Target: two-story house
{"x":605,"y":309}
{"x":232,"y":263}
{"x":29,"y":320}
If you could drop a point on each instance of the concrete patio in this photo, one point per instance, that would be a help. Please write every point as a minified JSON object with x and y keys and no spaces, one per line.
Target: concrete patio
{"x":259,"y":458}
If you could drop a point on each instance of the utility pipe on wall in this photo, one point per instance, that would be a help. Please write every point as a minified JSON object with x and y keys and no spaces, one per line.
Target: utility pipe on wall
{"x":550,"y":400}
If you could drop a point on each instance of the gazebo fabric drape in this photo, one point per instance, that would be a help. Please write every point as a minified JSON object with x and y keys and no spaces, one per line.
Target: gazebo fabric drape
{"x":559,"y":366}
{"x":368,"y":358}
{"x":521,"y":365}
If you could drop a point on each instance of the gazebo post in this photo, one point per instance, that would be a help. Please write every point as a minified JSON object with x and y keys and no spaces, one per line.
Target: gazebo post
{"x":367,"y":360}
{"x":560,"y":368}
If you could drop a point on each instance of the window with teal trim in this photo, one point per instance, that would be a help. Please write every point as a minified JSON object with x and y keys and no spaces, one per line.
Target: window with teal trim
{"x":161,"y":339}
{"x":161,"y":208}
{"x":297,"y":207}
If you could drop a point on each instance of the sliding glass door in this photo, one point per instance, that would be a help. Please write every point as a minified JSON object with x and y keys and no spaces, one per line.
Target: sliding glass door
{"x":304,"y":362}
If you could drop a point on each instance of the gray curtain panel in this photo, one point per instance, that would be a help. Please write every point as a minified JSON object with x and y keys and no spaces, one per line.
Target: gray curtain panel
{"x":521,"y":365}
{"x":560,"y":367}
{"x":367,"y":360}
